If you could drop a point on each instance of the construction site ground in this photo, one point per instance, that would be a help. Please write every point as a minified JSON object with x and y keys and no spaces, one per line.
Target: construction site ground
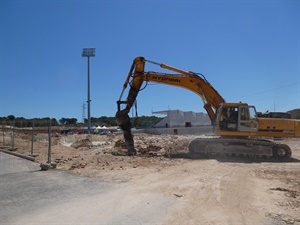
{"x":214,"y":190}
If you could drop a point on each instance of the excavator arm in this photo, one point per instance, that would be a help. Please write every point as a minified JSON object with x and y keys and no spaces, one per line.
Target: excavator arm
{"x":189,"y":80}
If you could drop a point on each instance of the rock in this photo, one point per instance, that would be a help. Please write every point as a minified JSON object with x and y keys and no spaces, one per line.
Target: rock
{"x":82,"y":143}
{"x":45,"y":166}
{"x":178,"y":195}
{"x":53,"y":165}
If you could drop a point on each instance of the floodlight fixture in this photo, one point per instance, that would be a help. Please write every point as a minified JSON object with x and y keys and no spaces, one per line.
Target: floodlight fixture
{"x":88,"y":52}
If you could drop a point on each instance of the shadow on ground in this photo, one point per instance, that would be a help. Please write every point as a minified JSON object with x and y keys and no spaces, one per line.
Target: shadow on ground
{"x":233,"y":158}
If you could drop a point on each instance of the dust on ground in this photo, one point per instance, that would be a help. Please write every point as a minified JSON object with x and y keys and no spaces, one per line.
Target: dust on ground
{"x":232,"y":190}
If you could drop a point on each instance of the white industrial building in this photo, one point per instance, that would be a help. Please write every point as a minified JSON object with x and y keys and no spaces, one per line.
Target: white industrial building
{"x":177,"y":118}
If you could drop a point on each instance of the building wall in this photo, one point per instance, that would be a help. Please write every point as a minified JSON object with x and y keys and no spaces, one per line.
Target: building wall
{"x":177,"y":118}
{"x":200,"y":130}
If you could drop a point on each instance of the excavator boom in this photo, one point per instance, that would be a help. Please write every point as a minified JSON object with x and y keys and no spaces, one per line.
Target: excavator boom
{"x":194,"y":82}
{"x":137,"y":76}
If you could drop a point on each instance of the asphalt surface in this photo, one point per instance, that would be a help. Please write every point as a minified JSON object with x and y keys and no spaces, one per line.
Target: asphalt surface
{"x":24,"y":188}
{"x":31,"y":196}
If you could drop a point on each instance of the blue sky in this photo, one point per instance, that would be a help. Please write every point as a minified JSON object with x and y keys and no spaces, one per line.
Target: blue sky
{"x":248,"y":50}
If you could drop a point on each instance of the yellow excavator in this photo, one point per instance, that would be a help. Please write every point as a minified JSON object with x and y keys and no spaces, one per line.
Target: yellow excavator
{"x":238,"y":128}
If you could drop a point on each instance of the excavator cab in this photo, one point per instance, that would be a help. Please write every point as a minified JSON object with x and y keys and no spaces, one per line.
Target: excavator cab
{"x":232,"y":117}
{"x":248,"y":121}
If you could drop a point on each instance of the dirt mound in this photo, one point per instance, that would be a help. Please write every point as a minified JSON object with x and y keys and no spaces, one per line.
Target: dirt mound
{"x":84,"y":143}
{"x":154,"y":145}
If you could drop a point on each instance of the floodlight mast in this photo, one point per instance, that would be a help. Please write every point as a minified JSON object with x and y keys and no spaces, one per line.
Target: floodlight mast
{"x":88,"y":52}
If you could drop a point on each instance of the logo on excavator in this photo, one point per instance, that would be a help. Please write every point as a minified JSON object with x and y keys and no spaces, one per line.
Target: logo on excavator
{"x":166,"y":79}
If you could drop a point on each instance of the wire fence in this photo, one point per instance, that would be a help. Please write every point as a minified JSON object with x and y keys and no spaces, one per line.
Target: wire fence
{"x":10,"y":132}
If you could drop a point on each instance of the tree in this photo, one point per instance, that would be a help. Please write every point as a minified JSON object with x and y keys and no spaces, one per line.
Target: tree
{"x":11,"y":117}
{"x":68,"y":121}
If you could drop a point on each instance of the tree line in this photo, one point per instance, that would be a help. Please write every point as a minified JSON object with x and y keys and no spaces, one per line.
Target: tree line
{"x":140,"y":122}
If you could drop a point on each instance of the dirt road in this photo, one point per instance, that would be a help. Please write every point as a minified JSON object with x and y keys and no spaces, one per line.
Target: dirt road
{"x":212,"y":191}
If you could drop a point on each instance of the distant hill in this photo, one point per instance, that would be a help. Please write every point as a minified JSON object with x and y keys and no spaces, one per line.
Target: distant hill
{"x":295,"y":113}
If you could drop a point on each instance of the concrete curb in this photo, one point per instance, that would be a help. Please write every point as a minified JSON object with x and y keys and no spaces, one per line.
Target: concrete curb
{"x":18,"y":154}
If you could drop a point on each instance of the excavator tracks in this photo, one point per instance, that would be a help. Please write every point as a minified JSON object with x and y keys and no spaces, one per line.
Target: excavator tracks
{"x":239,"y":146}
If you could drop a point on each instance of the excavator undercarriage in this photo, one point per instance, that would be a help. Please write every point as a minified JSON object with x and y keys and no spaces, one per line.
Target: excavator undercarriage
{"x":251,"y":147}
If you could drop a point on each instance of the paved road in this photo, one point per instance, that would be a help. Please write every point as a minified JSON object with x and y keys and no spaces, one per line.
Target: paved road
{"x":31,"y":196}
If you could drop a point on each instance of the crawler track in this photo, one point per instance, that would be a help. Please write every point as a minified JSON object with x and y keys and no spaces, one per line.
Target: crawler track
{"x":239,"y":146}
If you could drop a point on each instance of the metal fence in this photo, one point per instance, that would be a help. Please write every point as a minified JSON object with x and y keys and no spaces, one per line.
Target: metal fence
{"x":9,"y":132}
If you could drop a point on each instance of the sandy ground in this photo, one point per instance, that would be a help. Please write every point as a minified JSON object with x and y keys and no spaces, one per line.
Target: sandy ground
{"x":232,"y":190}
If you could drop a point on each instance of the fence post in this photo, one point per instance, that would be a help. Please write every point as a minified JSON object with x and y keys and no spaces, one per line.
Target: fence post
{"x":32,"y":133}
{"x":49,"y":145}
{"x":13,"y":135}
{"x":3,"y":133}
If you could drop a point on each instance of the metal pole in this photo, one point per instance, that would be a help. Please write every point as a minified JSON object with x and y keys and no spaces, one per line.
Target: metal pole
{"x":88,"y":52}
{"x":32,"y":133}
{"x":13,"y":135}
{"x":49,"y":145}
{"x":89,"y":100}
{"x":3,"y":133}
